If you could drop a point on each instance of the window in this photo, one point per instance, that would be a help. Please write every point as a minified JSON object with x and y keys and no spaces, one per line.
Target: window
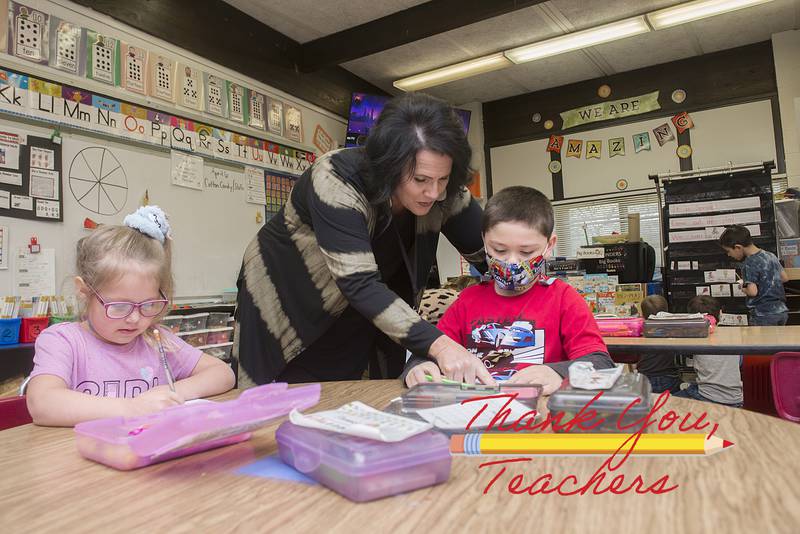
{"x":577,"y":222}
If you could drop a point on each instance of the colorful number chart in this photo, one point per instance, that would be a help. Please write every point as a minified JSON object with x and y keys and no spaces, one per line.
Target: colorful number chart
{"x":279,"y":186}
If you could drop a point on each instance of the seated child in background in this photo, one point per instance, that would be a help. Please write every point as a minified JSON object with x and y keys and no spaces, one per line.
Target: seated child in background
{"x":108,"y":363}
{"x":719,"y":377}
{"x":660,"y":369}
{"x":525,"y":327}
{"x":435,"y":301}
{"x":763,"y":277}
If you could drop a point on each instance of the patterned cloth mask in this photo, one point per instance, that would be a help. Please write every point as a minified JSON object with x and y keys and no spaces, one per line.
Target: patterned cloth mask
{"x":516,"y":277}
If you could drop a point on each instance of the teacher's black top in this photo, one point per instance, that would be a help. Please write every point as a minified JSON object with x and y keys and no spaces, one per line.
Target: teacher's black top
{"x":315,"y":257}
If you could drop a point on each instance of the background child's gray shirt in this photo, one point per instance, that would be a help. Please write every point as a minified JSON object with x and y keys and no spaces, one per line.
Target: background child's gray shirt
{"x":764,"y":270}
{"x":719,"y":378}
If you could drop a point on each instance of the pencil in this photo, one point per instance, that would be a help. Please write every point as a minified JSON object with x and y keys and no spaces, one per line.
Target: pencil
{"x":167,"y":370}
{"x":569,"y":444}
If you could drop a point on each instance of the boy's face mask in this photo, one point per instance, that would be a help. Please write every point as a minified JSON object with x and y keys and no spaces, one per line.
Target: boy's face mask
{"x":516,"y":277}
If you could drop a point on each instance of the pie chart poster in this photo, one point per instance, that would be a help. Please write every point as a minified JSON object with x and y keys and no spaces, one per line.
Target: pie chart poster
{"x":44,"y":201}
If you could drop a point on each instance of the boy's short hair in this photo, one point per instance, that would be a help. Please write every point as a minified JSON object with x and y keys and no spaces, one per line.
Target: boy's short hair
{"x":704,"y":304}
{"x":652,"y":304}
{"x":520,"y":204}
{"x":735,"y":235}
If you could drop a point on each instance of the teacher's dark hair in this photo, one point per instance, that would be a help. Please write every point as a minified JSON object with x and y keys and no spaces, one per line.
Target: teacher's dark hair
{"x":408,"y":124}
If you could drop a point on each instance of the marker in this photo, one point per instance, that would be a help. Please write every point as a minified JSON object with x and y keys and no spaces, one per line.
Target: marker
{"x":167,"y":370}
{"x":588,"y":444}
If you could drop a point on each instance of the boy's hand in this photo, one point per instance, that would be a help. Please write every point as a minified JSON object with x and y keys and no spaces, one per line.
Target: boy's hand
{"x":418,"y":373}
{"x":457,"y":363}
{"x":155,"y":400}
{"x":538,"y":374}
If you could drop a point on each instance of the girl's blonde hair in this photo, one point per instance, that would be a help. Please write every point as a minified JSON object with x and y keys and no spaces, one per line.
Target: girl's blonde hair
{"x":107,"y":253}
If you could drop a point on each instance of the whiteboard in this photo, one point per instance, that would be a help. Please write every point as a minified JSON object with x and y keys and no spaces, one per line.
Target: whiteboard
{"x":741,"y":133}
{"x":211,"y":228}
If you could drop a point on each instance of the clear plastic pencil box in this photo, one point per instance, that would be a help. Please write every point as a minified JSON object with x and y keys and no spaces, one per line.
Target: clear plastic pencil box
{"x":423,"y":396}
{"x":626,"y":403}
{"x":363,"y":469}
{"x":130,"y":443}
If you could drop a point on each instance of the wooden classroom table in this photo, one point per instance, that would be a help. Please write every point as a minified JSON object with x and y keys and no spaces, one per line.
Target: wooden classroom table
{"x":724,"y":340}
{"x":751,"y":487}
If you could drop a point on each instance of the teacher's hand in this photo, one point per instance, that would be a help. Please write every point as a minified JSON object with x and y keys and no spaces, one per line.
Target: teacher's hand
{"x":457,"y":363}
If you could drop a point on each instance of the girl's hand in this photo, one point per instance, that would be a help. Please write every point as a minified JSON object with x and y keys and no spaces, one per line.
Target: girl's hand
{"x":418,"y":373}
{"x":155,"y":400}
{"x":538,"y":374}
{"x":457,"y":363}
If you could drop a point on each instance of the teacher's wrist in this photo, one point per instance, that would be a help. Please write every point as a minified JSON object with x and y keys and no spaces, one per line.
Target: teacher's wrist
{"x":438,"y":346}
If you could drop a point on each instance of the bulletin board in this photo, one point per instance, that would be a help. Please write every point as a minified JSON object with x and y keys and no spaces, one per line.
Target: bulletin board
{"x":31,"y":185}
{"x":211,"y":227}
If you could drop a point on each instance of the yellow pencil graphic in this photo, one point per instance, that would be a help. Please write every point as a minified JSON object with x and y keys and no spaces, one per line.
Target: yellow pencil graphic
{"x":568,"y":444}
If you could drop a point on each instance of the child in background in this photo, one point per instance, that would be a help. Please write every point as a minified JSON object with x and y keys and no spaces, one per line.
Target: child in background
{"x":660,"y":369}
{"x":108,"y":364}
{"x":719,"y":377}
{"x":525,"y":327}
{"x":763,"y":277}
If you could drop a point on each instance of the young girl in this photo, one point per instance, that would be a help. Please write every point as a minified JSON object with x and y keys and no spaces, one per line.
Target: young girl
{"x":109,"y":364}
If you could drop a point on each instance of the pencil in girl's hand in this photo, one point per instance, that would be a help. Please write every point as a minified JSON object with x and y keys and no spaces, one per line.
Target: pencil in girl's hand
{"x":167,"y":370}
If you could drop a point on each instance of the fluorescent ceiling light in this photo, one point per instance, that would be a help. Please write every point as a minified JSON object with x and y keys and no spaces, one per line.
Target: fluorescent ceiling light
{"x":578,"y":40}
{"x":672,"y":16}
{"x":453,"y":72}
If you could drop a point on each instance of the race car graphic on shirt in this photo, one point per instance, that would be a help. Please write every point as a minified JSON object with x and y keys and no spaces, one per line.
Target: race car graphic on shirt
{"x":505,"y":349}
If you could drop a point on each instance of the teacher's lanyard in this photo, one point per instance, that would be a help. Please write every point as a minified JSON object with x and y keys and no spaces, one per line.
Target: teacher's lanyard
{"x":412,"y":270}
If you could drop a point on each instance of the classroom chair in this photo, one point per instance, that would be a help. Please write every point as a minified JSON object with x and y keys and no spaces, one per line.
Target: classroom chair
{"x":14,"y":412}
{"x":785,"y":372}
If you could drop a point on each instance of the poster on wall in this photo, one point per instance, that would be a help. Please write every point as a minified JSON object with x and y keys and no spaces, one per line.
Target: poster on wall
{"x":216,"y":95}
{"x":4,"y":25}
{"x":190,"y":92}
{"x":275,"y":116}
{"x":134,"y":69}
{"x":30,"y":33}
{"x":323,"y":140}
{"x":237,"y":103}
{"x":257,"y":110}
{"x":67,"y":45}
{"x":294,"y":123}
{"x":103,"y":58}
{"x":162,"y":77}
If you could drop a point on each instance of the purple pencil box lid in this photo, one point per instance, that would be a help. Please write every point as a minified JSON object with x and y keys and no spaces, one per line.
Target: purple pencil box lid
{"x":364,"y":469}
{"x":130,"y":443}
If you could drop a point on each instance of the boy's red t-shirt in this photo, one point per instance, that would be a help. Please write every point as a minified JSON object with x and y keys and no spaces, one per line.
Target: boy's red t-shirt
{"x":548,"y":323}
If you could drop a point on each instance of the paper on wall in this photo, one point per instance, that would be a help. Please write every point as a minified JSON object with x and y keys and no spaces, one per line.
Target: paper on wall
{"x":720,"y":290}
{"x":187,"y":170}
{"x":9,"y":150}
{"x":44,"y":183}
{"x":21,"y":202}
{"x":11,"y":178}
{"x":35,"y":274}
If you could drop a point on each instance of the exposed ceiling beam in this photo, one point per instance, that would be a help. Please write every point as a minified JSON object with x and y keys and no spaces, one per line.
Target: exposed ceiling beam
{"x":220,"y":33}
{"x":403,"y":27}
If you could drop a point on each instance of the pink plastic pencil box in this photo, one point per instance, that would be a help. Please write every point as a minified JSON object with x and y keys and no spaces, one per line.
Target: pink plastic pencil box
{"x":363,"y":469}
{"x":130,"y":443}
{"x":621,"y":327}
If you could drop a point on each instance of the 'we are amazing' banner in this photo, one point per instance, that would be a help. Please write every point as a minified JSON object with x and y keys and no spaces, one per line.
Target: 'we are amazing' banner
{"x":30,"y":97}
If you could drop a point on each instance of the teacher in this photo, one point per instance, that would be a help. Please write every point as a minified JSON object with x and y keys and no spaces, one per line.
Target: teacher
{"x":331,"y":279}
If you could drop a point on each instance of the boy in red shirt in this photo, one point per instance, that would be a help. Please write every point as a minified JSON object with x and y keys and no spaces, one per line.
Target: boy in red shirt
{"x":525,"y":327}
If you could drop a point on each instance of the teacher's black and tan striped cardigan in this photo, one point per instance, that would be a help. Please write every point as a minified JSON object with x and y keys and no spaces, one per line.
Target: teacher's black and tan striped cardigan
{"x":315,"y":257}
